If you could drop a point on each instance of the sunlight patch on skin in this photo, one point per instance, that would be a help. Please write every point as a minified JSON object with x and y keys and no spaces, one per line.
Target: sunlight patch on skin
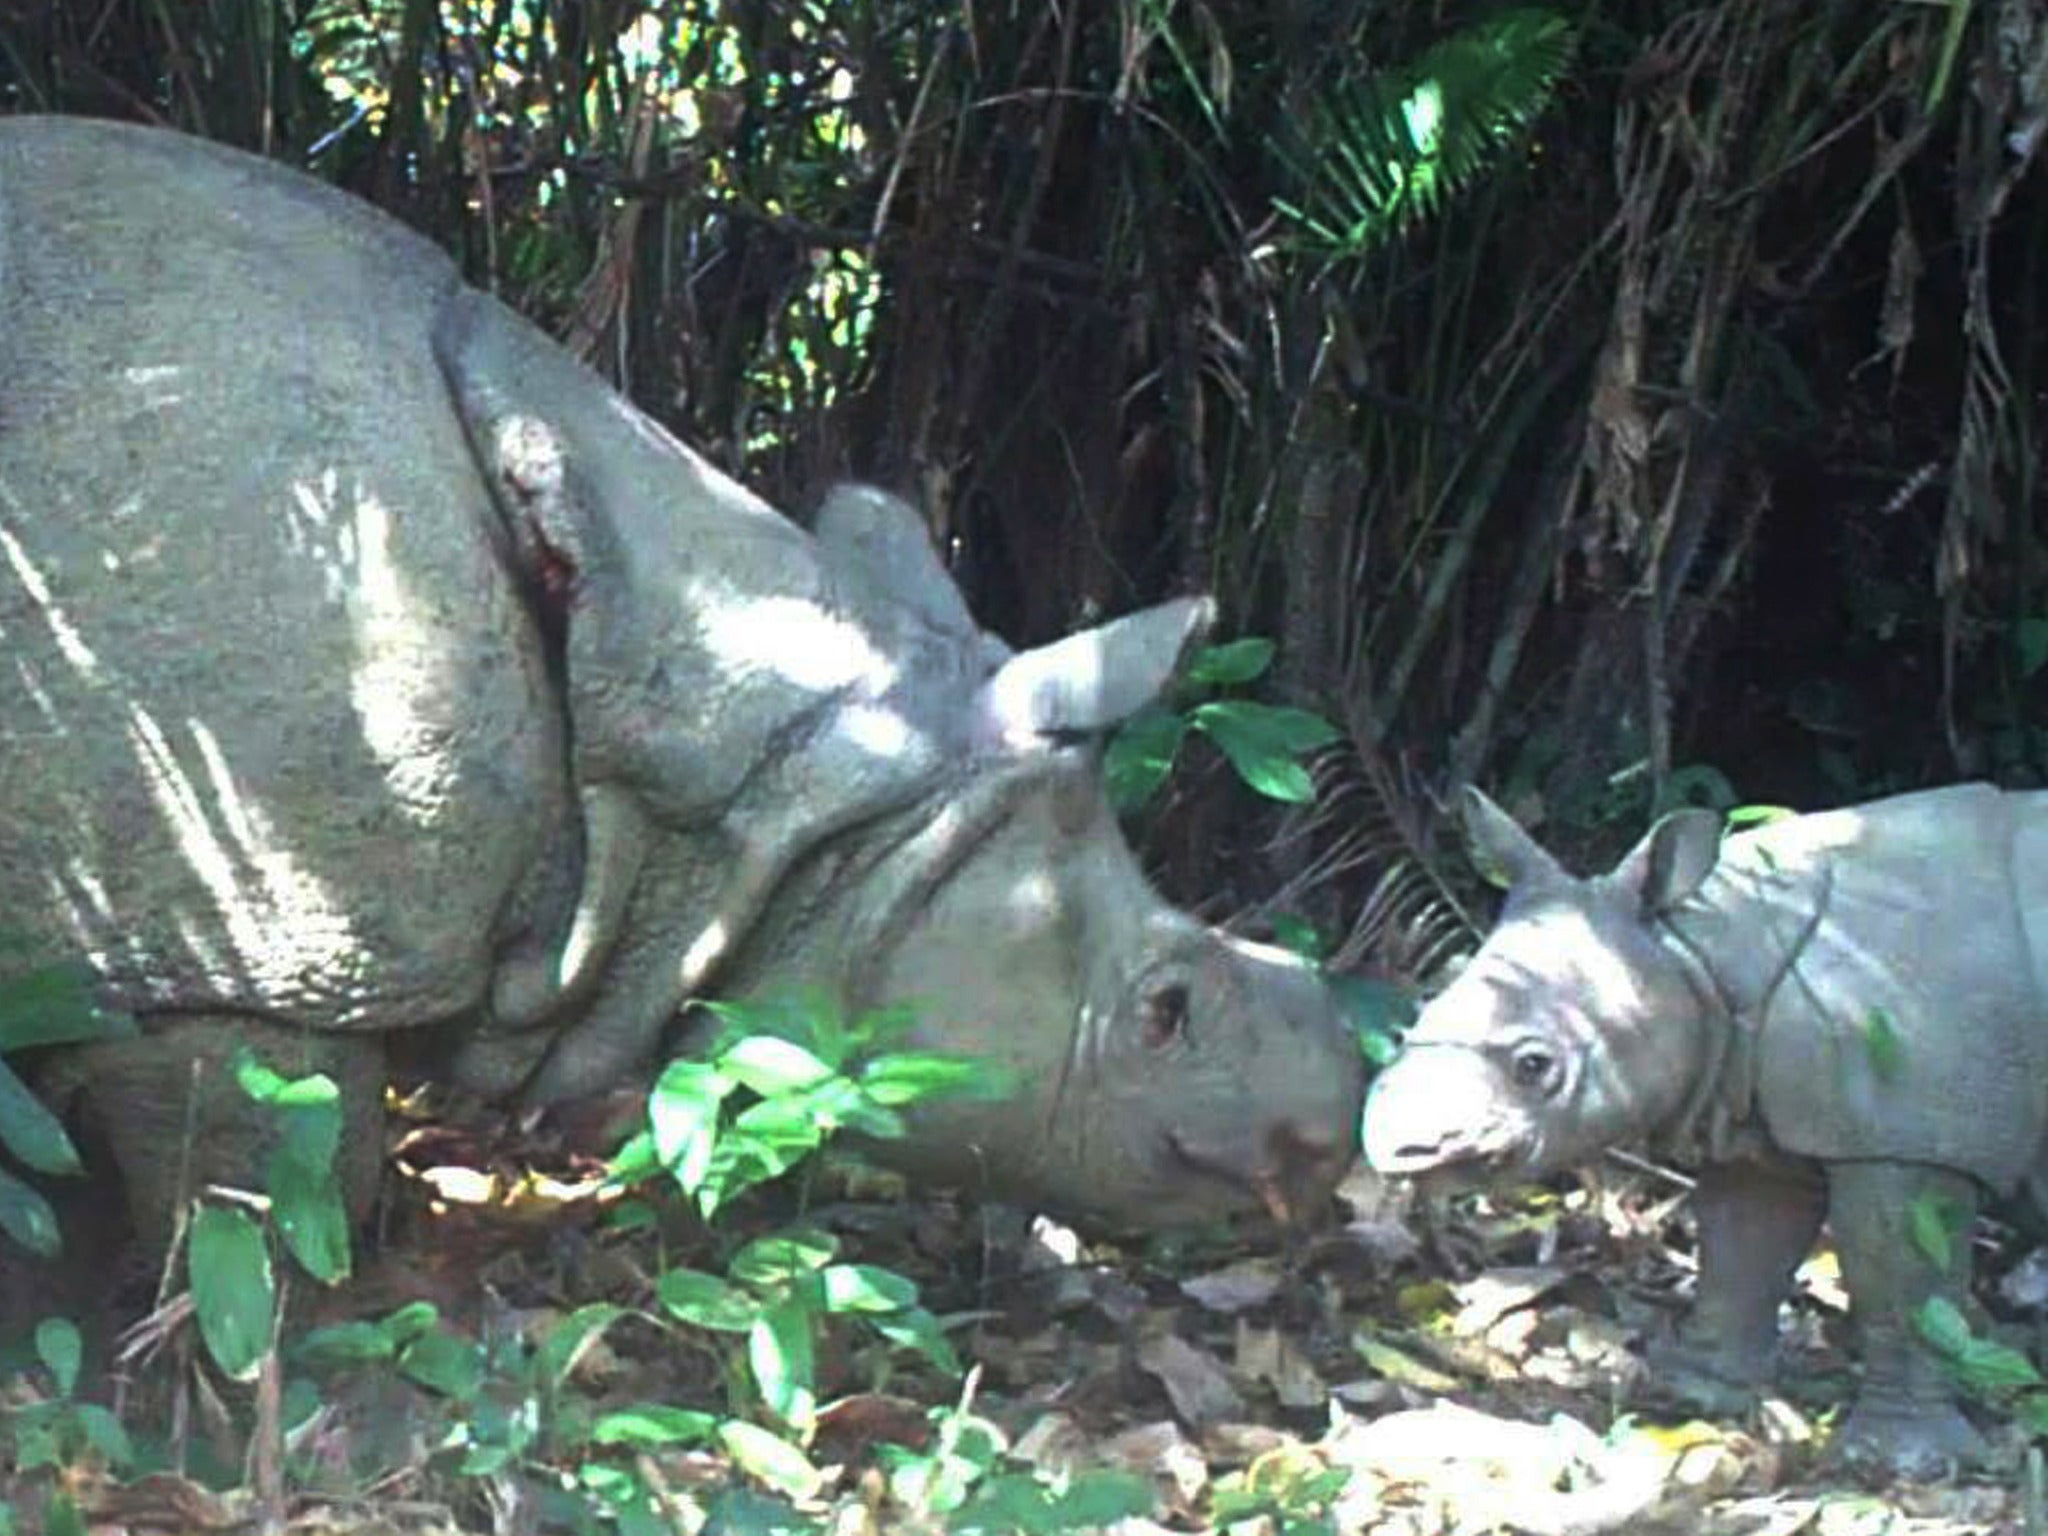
{"x":878,"y":731}
{"x":391,"y":684}
{"x":709,"y":945}
{"x":796,"y":640}
{"x":155,"y":381}
{"x":223,"y":857}
{"x":69,"y":642}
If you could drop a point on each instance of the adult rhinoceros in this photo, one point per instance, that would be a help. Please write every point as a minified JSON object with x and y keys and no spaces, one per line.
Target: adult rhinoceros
{"x":373,"y":672}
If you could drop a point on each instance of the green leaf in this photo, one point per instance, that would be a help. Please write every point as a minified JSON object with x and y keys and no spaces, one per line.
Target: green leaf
{"x":682,"y":1113}
{"x":1102,"y":1497}
{"x":705,"y":1301}
{"x":62,"y":1518}
{"x":913,"y":1077}
{"x":444,"y":1362}
{"x":233,"y":1289}
{"x":1261,"y":741}
{"x":60,"y":1348}
{"x":340,"y":1344}
{"x":914,"y":1328}
{"x":1932,"y":1222}
{"x":650,"y":1425}
{"x":2031,"y":636}
{"x":1881,"y":1041}
{"x":307,"y":1207}
{"x":568,"y":1338}
{"x":779,"y":1350}
{"x":770,"y":1458}
{"x":770,"y":1262}
{"x":770,"y":1066}
{"x":104,"y":1433}
{"x":1297,"y":935}
{"x":1140,"y":755}
{"x":30,"y":1131}
{"x":1239,"y":661}
{"x":866,"y":1288}
{"x":53,"y":1005}
{"x":27,"y":1217}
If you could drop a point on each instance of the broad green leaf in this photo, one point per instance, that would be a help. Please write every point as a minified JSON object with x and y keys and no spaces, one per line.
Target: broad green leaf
{"x":63,"y":1518}
{"x":345,"y":1344}
{"x":912,"y":1077}
{"x":2031,"y":636}
{"x":233,"y":1290}
{"x":35,"y":1430}
{"x":786,"y":1256}
{"x":444,"y":1362}
{"x":1377,"y":1011}
{"x":705,"y":1301}
{"x":682,"y":1114}
{"x":779,"y":1350}
{"x":772,"y":1066}
{"x":1140,"y":756}
{"x":1272,"y":727}
{"x":1740,"y":816}
{"x":26,"y":1217}
{"x":30,"y":1131}
{"x":1101,"y":1497}
{"x":60,"y":1348}
{"x":1943,"y":1326}
{"x":1931,"y":1221}
{"x":1297,"y":935}
{"x":104,"y":1433}
{"x":1881,"y":1041}
{"x":1238,"y":661}
{"x":1262,"y":742}
{"x":646,"y":1425}
{"x":569,"y":1337}
{"x":916,"y":1329}
{"x":306,"y":1204}
{"x":770,"y":1458}
{"x":866,"y":1288}
{"x":53,"y":1005}
{"x":2032,"y":1412}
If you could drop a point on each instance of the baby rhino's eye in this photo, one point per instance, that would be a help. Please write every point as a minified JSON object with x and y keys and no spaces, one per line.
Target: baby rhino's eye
{"x":1533,"y":1066}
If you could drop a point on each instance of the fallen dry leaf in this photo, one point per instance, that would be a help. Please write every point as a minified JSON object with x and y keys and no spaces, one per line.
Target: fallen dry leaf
{"x":1270,"y":1356}
{"x":1397,"y":1365}
{"x":1236,"y":1287}
{"x":1199,"y":1388}
{"x":1159,"y":1450}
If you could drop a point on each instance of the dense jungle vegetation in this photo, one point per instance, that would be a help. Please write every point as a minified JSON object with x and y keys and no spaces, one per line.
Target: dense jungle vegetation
{"x":1614,"y":404}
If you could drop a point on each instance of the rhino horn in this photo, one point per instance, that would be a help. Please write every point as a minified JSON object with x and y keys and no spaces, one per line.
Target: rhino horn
{"x":1092,"y":680}
{"x":1671,"y":861}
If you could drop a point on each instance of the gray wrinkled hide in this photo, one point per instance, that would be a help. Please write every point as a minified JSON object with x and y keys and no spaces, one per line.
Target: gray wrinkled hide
{"x":1837,"y":1014}
{"x":371,"y":669}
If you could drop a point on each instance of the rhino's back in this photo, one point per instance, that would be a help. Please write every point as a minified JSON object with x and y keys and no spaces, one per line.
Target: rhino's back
{"x":274,"y":726}
{"x":1910,"y":1023}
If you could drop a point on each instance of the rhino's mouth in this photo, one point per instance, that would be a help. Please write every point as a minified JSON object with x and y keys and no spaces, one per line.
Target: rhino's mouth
{"x":1288,"y":1179}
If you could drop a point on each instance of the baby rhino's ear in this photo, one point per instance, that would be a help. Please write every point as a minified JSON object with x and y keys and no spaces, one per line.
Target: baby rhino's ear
{"x":1505,"y":854}
{"x":1673,"y":859}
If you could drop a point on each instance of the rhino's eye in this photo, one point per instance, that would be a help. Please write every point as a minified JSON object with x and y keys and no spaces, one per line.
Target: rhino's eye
{"x":1533,"y":1067}
{"x":1165,"y":1016}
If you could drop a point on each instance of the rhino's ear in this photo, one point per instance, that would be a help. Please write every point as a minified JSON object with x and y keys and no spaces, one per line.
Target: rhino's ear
{"x":884,"y":541}
{"x":1093,"y":680}
{"x":1672,"y":860}
{"x":1505,"y":854}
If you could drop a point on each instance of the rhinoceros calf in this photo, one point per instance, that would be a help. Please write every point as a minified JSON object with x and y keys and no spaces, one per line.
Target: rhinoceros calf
{"x":1838,"y":1015}
{"x":369,"y":670}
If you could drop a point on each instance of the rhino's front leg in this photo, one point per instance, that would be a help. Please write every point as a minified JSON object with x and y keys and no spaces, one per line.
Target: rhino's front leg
{"x":1756,"y":1222}
{"x":1905,"y":1418}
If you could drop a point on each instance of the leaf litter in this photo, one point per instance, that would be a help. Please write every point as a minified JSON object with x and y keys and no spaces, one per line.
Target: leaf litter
{"x":1410,"y":1373}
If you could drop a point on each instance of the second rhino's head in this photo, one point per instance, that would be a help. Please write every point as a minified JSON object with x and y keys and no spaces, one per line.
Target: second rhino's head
{"x":1163,"y":1071}
{"x":1578,"y":1025}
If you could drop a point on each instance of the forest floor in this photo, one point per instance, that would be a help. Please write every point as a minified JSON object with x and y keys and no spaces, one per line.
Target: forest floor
{"x":1475,"y":1372}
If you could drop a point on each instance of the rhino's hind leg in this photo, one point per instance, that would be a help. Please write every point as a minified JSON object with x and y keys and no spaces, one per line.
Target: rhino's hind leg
{"x":166,"y":1111}
{"x":1905,"y":1418}
{"x":1756,"y":1223}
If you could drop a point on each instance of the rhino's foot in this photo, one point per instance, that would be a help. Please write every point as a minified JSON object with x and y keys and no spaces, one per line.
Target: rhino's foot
{"x":1707,"y":1379}
{"x":1919,"y":1441}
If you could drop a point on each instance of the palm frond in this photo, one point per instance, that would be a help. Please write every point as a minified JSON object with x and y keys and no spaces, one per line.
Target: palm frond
{"x":1384,"y":151}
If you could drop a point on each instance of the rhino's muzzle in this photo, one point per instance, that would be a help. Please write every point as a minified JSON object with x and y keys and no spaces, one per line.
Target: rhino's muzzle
{"x":1437,"y":1113}
{"x":1292,"y":1176}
